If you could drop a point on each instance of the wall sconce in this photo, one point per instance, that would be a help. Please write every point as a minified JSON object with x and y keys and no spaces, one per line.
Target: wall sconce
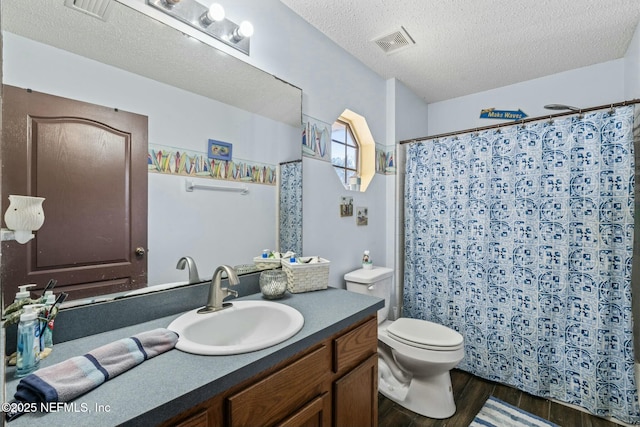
{"x":209,"y":20}
{"x":23,"y":216}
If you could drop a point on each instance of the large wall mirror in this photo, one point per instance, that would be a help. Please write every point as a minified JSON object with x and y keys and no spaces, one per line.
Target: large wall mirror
{"x":190,"y":92}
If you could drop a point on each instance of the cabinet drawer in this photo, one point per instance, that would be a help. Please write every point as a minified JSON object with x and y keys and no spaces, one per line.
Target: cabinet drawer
{"x":281,"y":393}
{"x":355,"y":346}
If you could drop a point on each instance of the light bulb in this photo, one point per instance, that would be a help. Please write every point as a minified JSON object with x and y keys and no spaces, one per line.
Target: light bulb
{"x":246,"y":29}
{"x":243,"y":31}
{"x":215,"y":12}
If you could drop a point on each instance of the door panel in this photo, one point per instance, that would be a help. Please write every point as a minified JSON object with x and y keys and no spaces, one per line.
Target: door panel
{"x":89,"y":163}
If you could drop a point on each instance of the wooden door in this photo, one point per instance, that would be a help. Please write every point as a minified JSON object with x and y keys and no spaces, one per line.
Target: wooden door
{"x":90,"y":164}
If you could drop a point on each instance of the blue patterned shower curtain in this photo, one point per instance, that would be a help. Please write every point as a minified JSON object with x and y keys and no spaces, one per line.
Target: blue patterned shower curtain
{"x":290,"y":207}
{"x":521,"y":239}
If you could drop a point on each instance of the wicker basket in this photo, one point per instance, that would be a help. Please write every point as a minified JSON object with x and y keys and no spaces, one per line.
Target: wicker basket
{"x":266,"y":263}
{"x":306,"y":277}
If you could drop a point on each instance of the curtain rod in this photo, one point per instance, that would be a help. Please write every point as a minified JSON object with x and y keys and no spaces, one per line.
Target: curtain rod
{"x":290,"y":161}
{"x":522,"y":121}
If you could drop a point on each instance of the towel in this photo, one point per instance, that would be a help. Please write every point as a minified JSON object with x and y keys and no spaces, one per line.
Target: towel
{"x":66,"y":380}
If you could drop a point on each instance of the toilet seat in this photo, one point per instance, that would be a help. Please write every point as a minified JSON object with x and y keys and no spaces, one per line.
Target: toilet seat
{"x":424,"y":334}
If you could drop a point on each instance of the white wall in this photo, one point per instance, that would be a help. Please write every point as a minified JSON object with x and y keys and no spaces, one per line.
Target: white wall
{"x":632,"y":67}
{"x":407,"y":118}
{"x":213,"y":227}
{"x":332,"y":81}
{"x":411,"y":114}
{"x":583,"y":87}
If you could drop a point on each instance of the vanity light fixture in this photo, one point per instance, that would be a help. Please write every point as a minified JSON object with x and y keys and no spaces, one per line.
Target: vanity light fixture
{"x":209,"y":20}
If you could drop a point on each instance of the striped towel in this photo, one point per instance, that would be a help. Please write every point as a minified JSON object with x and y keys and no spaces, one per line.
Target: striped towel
{"x":67,"y":380}
{"x":496,"y":413}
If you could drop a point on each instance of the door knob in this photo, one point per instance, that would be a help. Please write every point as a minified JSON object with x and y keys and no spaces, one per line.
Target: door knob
{"x":140,"y":251}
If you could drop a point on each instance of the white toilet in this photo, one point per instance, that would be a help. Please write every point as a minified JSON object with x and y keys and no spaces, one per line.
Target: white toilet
{"x":415,"y":356}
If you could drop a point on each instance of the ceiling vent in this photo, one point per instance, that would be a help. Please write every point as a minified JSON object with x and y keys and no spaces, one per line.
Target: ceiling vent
{"x":395,"y":42}
{"x":96,"y":8}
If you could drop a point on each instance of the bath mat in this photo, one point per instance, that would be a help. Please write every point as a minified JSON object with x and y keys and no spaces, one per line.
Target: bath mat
{"x":496,"y":413}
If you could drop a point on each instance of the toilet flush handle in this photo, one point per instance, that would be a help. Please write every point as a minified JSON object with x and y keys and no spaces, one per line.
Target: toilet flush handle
{"x":371,"y":287}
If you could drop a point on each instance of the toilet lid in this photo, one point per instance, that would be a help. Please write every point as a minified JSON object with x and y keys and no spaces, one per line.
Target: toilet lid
{"x":424,"y":334}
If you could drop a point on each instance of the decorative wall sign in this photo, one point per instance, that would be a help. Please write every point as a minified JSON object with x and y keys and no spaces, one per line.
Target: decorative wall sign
{"x":492,"y":113}
{"x":219,"y":150}
{"x":346,"y":206}
{"x":177,"y":161}
{"x":362,"y":216}
{"x":316,"y":139}
{"x":385,"y":159}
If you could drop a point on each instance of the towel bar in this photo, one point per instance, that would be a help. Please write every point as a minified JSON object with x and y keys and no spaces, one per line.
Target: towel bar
{"x":190,"y":186}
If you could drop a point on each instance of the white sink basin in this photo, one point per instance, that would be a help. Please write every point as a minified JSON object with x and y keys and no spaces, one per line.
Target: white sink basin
{"x":245,"y":326}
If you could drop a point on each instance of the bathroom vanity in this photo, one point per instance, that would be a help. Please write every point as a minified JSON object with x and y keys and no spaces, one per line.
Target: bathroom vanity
{"x":324,"y":375}
{"x":331,"y":383}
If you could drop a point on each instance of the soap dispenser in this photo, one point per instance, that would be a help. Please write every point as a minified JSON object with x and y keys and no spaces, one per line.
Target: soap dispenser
{"x":28,"y":351}
{"x":23,"y":292}
{"x":367,"y":264}
{"x":23,"y":297}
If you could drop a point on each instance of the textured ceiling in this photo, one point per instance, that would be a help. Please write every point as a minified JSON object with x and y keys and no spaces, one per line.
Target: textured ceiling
{"x":132,"y":41}
{"x":469,"y":46}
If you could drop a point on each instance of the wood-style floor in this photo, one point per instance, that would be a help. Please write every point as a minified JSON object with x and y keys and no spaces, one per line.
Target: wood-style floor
{"x":471,"y":392}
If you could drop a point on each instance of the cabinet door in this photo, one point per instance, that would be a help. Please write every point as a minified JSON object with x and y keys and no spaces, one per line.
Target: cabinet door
{"x":201,"y":419}
{"x":355,"y":396}
{"x":316,"y":413}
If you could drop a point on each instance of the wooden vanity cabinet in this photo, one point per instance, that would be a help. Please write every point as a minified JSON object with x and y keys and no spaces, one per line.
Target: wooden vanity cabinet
{"x":281,"y":393}
{"x":332,"y":383}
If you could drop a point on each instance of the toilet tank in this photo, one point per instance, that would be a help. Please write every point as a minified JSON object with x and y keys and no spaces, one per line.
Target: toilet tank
{"x":376,"y":282}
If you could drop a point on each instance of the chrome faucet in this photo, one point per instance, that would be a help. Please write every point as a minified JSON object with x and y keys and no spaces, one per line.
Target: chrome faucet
{"x":217,"y":293}
{"x":187,"y":261}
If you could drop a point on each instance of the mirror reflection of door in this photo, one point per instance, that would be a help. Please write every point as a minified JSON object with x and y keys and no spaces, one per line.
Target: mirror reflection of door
{"x":90,"y":164}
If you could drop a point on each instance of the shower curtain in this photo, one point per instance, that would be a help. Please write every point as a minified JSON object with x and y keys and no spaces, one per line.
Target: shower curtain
{"x":521,"y":239}
{"x":290,"y":207}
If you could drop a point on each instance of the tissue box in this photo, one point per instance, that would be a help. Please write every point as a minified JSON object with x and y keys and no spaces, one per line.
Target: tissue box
{"x":303,"y":277}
